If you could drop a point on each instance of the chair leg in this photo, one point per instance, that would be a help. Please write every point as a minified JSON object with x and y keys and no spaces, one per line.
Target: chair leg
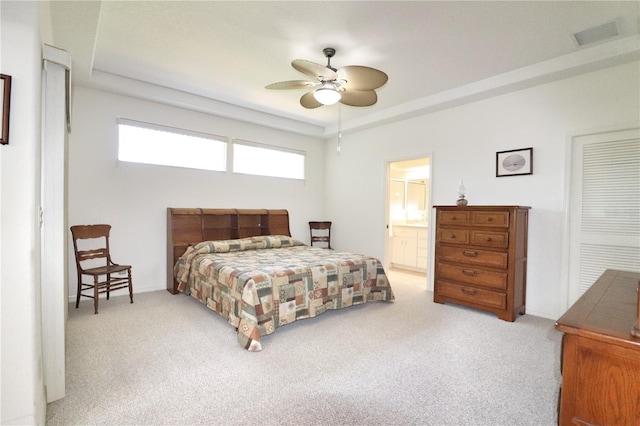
{"x":95,"y":293}
{"x":130,"y":285}
{"x":108,"y":285}
{"x":79,"y":290}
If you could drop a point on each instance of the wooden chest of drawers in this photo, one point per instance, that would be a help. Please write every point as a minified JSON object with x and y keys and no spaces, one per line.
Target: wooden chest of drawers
{"x":600,"y":354}
{"x":481,"y":258}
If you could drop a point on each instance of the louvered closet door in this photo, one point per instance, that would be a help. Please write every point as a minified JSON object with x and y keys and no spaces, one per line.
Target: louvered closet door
{"x":605,"y":207}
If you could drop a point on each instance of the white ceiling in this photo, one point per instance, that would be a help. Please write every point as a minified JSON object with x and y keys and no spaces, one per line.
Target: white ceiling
{"x":436,"y":53}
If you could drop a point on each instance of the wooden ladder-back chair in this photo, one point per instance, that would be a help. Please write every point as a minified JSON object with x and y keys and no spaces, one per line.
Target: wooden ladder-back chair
{"x":320,"y":233}
{"x":94,"y":260}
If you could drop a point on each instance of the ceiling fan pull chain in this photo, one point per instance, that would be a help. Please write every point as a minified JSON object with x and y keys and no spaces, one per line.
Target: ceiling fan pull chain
{"x":339,"y":128}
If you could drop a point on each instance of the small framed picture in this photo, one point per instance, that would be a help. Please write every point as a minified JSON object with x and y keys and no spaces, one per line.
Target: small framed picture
{"x":5,"y":96}
{"x":515,"y":162}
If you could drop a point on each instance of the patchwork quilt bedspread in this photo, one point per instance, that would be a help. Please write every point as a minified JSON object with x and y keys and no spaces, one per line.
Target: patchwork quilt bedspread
{"x":261,"y":283}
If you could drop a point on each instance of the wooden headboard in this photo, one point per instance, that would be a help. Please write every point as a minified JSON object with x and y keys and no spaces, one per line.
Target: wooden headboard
{"x":186,"y":227}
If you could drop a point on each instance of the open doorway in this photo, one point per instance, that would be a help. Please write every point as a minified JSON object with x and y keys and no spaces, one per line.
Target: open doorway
{"x":407,"y":208}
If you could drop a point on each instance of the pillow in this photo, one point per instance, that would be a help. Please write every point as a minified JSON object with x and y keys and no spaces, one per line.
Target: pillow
{"x":243,"y":244}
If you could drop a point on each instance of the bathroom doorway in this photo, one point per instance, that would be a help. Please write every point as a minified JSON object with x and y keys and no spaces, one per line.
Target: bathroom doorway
{"x":408,"y":209}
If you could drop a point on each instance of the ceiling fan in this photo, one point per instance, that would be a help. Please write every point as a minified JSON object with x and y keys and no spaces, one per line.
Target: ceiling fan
{"x":352,"y":85}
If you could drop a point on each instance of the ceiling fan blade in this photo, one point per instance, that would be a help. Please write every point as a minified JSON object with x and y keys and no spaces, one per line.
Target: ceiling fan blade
{"x":308,"y":101}
{"x":362,"y":78}
{"x":292,"y":84}
{"x":313,"y":70}
{"x":359,"y":98}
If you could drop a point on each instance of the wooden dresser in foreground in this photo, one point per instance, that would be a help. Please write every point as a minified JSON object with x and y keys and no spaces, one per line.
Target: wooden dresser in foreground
{"x":481,"y":258}
{"x":600,"y":357}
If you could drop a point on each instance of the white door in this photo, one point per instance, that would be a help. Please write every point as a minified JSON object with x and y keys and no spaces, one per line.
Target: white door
{"x":54,"y":288}
{"x":605,"y":207}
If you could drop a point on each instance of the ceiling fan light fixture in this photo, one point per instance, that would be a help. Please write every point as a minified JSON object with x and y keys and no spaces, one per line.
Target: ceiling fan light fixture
{"x":352,"y":85}
{"x":327,"y":95}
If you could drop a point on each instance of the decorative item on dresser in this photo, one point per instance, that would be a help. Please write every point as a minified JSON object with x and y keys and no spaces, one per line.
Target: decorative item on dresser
{"x":600,"y":356}
{"x":461,"y":201}
{"x":481,"y":258}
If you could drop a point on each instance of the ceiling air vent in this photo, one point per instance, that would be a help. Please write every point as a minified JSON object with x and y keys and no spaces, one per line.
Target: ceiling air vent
{"x":596,"y":34}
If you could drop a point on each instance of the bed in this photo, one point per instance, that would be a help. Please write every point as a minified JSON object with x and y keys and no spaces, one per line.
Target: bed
{"x":244,"y":265}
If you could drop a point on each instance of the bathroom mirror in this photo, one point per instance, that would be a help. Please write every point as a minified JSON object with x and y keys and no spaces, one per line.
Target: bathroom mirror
{"x":416,"y":194}
{"x":397,"y":195}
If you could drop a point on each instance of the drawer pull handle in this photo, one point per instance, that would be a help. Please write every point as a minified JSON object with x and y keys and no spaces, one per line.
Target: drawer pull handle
{"x":469,"y":291}
{"x":489,"y":219}
{"x":488,"y":239}
{"x":469,"y":273}
{"x":470,"y":253}
{"x":453,"y":236}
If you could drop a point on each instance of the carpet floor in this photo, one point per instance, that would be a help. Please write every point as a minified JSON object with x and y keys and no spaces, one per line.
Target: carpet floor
{"x":168,"y":360}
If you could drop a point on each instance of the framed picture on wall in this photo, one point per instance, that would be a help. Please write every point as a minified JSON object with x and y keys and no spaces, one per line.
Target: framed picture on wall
{"x":515,"y":162}
{"x":5,"y":95}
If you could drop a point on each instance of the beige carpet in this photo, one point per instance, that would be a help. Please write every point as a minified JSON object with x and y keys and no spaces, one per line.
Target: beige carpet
{"x":168,"y":360}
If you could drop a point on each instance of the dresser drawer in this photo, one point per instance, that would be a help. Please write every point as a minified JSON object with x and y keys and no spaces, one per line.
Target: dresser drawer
{"x":456,"y":236}
{"x":490,"y":239}
{"x":492,"y":259}
{"x":496,"y":219}
{"x":453,"y":218}
{"x":472,"y":275}
{"x":471,"y":294}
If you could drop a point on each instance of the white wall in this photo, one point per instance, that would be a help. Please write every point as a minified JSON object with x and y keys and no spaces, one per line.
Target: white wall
{"x":464,"y":141}
{"x":133,"y":198}
{"x":23,"y":398}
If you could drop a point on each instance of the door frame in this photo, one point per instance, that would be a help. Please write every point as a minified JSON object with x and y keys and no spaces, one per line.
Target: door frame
{"x":569,"y":293}
{"x":429,"y":208}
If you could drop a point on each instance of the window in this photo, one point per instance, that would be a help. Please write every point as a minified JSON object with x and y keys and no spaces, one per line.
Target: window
{"x":266,"y":160}
{"x":166,"y":146}
{"x":152,"y":144}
